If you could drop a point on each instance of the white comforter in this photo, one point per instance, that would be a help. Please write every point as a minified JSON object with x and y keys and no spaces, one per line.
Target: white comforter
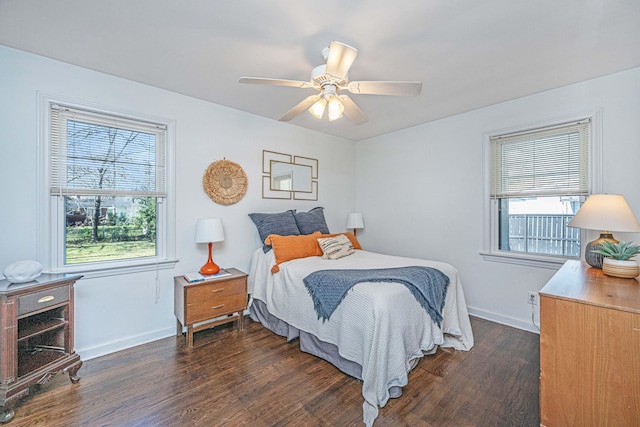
{"x":380,"y":326}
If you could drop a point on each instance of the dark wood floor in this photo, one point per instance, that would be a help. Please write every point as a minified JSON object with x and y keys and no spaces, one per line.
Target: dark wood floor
{"x":255,"y":378}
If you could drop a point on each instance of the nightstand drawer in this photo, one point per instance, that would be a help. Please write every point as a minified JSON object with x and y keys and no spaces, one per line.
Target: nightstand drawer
{"x":209,"y":309}
{"x":215,"y":290}
{"x":209,"y":300}
{"x":43,"y":299}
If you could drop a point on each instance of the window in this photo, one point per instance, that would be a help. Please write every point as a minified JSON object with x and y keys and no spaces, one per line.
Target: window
{"x":108,"y":190}
{"x":538,"y":180}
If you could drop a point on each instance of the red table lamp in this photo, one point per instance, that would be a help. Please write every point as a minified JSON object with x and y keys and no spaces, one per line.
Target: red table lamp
{"x":208,"y":231}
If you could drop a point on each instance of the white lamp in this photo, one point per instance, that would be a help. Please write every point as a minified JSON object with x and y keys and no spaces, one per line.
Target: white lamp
{"x":317,"y":109}
{"x":335,"y":108}
{"x":354,"y":220}
{"x":328,"y":101}
{"x":606,"y":213}
{"x":209,"y":231}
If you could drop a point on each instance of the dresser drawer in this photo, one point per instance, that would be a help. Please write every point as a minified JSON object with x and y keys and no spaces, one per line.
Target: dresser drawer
{"x":43,"y":299}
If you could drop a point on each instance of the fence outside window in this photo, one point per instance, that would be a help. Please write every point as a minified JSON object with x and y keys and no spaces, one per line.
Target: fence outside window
{"x":543,"y":234}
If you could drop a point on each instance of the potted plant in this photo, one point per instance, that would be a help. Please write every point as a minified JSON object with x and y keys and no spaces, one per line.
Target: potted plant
{"x":617,"y":260}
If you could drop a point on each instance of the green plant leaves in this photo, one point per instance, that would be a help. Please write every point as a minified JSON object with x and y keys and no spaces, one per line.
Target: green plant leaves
{"x":620,"y":251}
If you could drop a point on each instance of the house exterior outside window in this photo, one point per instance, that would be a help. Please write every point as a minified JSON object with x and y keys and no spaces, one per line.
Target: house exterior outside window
{"x":537,"y":180}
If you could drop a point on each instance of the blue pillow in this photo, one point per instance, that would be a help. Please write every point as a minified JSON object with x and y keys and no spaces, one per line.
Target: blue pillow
{"x":312,"y":221}
{"x":282,"y":223}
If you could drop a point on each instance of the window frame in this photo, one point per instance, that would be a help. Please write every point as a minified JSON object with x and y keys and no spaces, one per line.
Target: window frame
{"x":490,"y":216}
{"x":51,"y":216}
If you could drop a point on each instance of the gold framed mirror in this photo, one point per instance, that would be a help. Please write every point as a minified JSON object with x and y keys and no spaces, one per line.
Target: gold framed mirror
{"x":286,"y":176}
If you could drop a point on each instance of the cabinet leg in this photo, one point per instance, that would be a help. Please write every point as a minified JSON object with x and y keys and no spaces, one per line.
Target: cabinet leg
{"x":189,"y":336}
{"x":6,"y":415}
{"x":73,"y":373}
{"x":178,"y":328}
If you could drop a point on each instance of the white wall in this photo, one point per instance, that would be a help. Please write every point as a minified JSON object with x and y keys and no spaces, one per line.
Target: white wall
{"x":420,"y":190}
{"x":120,"y":311}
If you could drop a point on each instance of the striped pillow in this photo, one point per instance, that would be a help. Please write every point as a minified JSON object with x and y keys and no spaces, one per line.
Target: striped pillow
{"x":349,"y":234}
{"x":335,"y":247}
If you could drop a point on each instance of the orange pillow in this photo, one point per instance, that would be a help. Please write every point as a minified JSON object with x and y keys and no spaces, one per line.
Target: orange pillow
{"x":286,"y":248}
{"x":349,"y":234}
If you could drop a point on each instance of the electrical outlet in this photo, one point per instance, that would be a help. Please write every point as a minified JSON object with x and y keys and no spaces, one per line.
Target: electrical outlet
{"x":532,"y":298}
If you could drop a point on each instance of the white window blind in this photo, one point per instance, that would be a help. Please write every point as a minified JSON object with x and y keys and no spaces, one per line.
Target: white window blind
{"x":544,"y":162}
{"x":98,"y":154}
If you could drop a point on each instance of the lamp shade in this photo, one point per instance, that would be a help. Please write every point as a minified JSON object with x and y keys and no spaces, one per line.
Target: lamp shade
{"x":335,"y":108}
{"x":608,"y":212}
{"x":209,"y":230}
{"x":354,"y":220}
{"x":317,"y":109}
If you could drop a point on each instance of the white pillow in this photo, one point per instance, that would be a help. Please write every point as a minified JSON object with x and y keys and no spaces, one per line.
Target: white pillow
{"x":335,"y":247}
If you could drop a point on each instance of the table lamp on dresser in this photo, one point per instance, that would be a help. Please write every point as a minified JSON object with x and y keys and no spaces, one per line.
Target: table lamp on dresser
{"x":605,"y":213}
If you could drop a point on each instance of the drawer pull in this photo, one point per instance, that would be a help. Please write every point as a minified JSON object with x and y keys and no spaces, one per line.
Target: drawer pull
{"x":217,"y":306}
{"x":217,"y":290}
{"x":46,"y":298}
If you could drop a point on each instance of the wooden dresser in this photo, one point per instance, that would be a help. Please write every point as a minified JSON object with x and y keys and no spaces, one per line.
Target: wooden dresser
{"x":36,"y":336}
{"x":198,"y":305}
{"x":589,"y":349}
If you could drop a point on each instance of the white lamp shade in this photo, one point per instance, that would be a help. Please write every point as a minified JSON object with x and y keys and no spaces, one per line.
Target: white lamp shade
{"x":354,"y":220}
{"x":209,"y":230}
{"x":335,"y":108}
{"x":606,"y":212}
{"x":317,"y":109}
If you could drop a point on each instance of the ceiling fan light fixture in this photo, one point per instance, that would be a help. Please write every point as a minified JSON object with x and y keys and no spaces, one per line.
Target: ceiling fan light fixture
{"x":317,"y":109}
{"x":330,"y":78}
{"x":335,"y":108}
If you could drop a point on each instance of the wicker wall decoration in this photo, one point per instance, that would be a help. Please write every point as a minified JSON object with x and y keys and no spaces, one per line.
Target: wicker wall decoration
{"x":225,"y":182}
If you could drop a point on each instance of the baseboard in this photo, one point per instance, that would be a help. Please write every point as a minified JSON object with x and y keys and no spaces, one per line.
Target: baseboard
{"x":89,"y":353}
{"x":525,"y":325}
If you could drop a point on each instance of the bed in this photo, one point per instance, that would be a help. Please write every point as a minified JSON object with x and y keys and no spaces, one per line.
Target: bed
{"x":377,"y":333}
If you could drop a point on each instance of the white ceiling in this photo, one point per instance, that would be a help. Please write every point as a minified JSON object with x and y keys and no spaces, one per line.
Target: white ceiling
{"x":467,"y":53}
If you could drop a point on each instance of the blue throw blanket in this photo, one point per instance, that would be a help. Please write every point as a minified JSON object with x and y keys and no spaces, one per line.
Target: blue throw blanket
{"x":329,"y":287}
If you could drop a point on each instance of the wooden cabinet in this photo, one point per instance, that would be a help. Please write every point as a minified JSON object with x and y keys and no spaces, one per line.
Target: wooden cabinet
{"x":36,"y":336}
{"x":589,"y":349}
{"x":203,"y":305}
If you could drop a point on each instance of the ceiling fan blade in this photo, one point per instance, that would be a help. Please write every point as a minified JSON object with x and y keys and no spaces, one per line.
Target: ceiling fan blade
{"x":340,"y":58}
{"x":352,"y":111}
{"x":386,"y":88}
{"x":275,"y":82}
{"x":305,"y":104}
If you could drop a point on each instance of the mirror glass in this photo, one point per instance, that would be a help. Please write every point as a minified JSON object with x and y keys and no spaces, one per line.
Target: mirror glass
{"x":290,"y":177}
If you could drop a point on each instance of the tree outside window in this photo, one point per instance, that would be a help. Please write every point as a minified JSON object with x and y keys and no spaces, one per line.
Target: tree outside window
{"x":110,"y":173}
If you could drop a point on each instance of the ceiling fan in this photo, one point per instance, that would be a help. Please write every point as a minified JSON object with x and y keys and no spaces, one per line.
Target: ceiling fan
{"x":330,"y":79}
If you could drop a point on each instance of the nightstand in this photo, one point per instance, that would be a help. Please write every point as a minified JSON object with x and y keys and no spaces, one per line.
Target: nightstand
{"x":36,"y":336}
{"x":203,"y":305}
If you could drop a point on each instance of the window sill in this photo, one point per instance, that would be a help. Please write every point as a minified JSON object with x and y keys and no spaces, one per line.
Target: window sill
{"x":529,"y":260}
{"x":119,"y":268}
